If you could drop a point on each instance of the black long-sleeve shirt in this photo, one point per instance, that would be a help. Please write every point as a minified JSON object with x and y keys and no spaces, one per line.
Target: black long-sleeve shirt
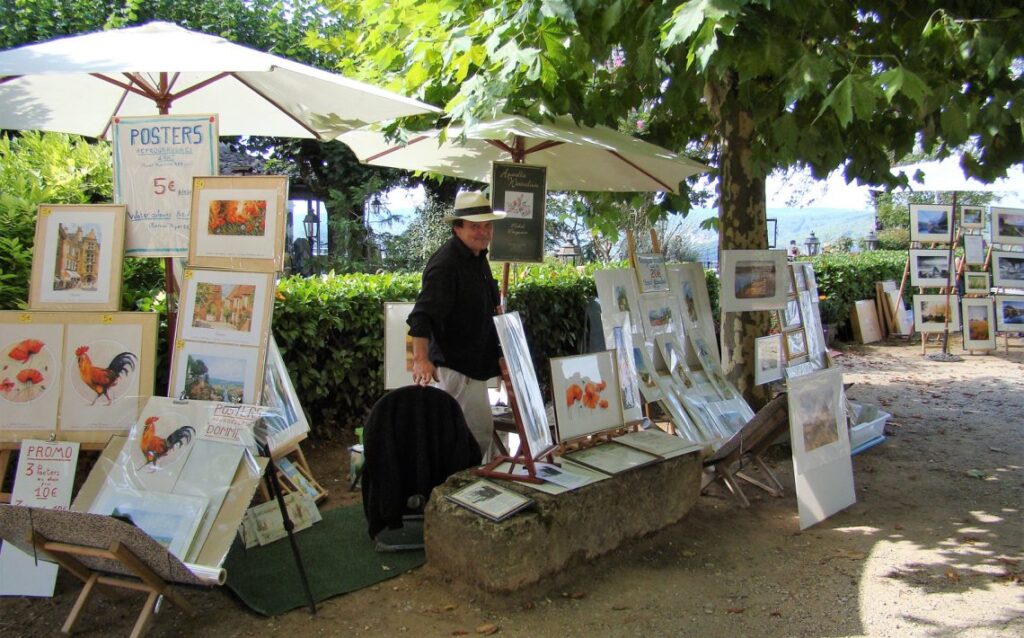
{"x":455,"y":311}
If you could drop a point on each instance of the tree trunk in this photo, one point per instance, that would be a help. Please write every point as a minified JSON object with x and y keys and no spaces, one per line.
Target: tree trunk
{"x":742,"y":225}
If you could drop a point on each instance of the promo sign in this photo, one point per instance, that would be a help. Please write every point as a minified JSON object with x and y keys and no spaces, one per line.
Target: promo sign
{"x":46,"y":471}
{"x":155,"y":159}
{"x":519,"y":190}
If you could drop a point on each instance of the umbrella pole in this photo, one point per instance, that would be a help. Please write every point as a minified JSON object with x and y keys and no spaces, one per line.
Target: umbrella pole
{"x":518,"y":151}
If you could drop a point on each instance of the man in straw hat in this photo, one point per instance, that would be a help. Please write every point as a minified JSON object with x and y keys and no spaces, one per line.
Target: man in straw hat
{"x":454,"y":341}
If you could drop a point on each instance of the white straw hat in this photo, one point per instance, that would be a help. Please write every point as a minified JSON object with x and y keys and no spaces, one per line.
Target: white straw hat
{"x":474,"y":206}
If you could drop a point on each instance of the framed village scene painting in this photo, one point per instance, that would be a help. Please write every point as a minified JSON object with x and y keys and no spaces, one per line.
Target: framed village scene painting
{"x":226,"y":306}
{"x":1010,"y":313}
{"x":754,"y":280}
{"x":586,"y":392}
{"x":397,"y":345}
{"x":929,"y":268}
{"x":931,"y":223}
{"x":1008,"y":226}
{"x":238,"y":223}
{"x":31,"y":353}
{"x":77,"y":257}
{"x":1008,"y":269}
{"x":979,"y":324}
{"x":217,"y":372}
{"x":931,"y":313}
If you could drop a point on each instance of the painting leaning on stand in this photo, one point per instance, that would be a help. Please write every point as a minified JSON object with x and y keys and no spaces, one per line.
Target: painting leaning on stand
{"x":454,"y":341}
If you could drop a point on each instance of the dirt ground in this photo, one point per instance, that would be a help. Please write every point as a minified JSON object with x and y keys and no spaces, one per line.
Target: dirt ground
{"x":933,"y":547}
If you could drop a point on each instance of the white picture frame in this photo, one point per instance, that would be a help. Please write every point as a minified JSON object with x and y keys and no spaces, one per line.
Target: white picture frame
{"x":753,"y":280}
{"x":931,"y":223}
{"x":618,"y":292}
{"x":768,"y":359}
{"x":979,"y":319}
{"x":972,"y":217}
{"x":521,"y":373}
{"x":1008,"y":269}
{"x":618,"y":335}
{"x":977,"y":283}
{"x":1010,"y":313}
{"x":930,"y":313}
{"x":234,"y":374}
{"x":490,"y":500}
{"x":1007,"y":226}
{"x":397,"y":345}
{"x":585,"y":394}
{"x":929,"y":268}
{"x":659,"y":312}
{"x":688,"y":281}
{"x":974,"y":249}
{"x":224,"y":306}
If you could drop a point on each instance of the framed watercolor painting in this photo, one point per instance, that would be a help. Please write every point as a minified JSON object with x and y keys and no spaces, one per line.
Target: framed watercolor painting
{"x":688,"y":281}
{"x":979,"y":324}
{"x":754,"y":280}
{"x":585,"y":396}
{"x":651,"y":274}
{"x":238,"y":223}
{"x":77,"y":257}
{"x":659,"y":313}
{"x":1010,"y":313}
{"x":1008,"y":226}
{"x":618,"y":335}
{"x":226,"y":306}
{"x":170,"y":519}
{"x":1007,"y":269}
{"x":31,"y":353}
{"x":289,"y":422}
{"x":397,"y":345}
{"x":977,"y":283}
{"x":767,"y":359}
{"x":216,"y":372}
{"x":929,"y":268}
{"x":523,"y":377}
{"x":932,"y":311}
{"x":618,"y":292}
{"x":931,"y":223}
{"x":972,"y":217}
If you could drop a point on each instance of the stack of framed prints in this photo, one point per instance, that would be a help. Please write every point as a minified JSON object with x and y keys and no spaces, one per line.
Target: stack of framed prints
{"x":802,"y":338}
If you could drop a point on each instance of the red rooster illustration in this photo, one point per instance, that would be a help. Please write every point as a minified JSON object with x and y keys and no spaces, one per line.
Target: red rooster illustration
{"x":100,"y":380}
{"x":154,"y":447}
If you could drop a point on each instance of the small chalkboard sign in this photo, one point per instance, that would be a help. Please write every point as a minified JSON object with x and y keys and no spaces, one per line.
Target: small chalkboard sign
{"x":519,"y":190}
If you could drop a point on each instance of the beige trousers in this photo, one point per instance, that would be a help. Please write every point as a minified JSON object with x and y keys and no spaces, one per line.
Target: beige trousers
{"x":476,"y":407}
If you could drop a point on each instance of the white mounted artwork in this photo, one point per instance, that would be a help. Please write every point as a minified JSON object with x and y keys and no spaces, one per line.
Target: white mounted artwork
{"x":979,"y":323}
{"x":397,"y":345}
{"x":584,"y":391}
{"x":618,"y":335}
{"x":767,"y":359}
{"x":754,"y":280}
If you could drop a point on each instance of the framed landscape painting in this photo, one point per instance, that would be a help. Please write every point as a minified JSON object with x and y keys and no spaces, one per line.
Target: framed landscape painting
{"x":77,"y":257}
{"x":929,"y":268}
{"x":1007,"y":269}
{"x":977,"y":283}
{"x":238,"y":223}
{"x":397,"y":345}
{"x":226,"y":306}
{"x":754,"y":280}
{"x":972,"y":217}
{"x":1010,"y":313}
{"x":979,"y":324}
{"x":586,"y":396}
{"x":931,"y":313}
{"x":217,"y":372}
{"x":659,"y":313}
{"x":931,"y":223}
{"x":1008,"y":226}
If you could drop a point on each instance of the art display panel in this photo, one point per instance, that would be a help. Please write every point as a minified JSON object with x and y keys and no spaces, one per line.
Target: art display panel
{"x":1008,"y":269}
{"x":224,"y":306}
{"x":585,"y":394}
{"x":977,"y":283}
{"x":216,"y":372}
{"x":929,"y":268}
{"x":238,"y":223}
{"x":77,"y":257}
{"x":931,"y":313}
{"x":1007,"y":226}
{"x":1010,"y":313}
{"x":931,"y":223}
{"x":660,"y":314}
{"x":979,"y":324}
{"x":754,"y":280}
{"x":524,"y":383}
{"x":618,"y":335}
{"x":397,"y":345}
{"x":767,"y":359}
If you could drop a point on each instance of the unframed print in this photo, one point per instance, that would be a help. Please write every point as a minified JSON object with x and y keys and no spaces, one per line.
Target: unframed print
{"x":1007,"y":226}
{"x":618,"y":292}
{"x":753,"y":280}
{"x":659,"y":313}
{"x":77,"y":257}
{"x":586,"y":400}
{"x":524,"y":383}
{"x":979,"y":324}
{"x":397,"y":345}
{"x":931,"y":312}
{"x":619,"y":336}
{"x":1008,"y":269}
{"x":931,"y":223}
{"x":238,"y":222}
{"x":1010,"y":313}
{"x":651,"y":274}
{"x":226,"y":306}
{"x":689,"y":283}
{"x":767,"y":359}
{"x":214,"y":372}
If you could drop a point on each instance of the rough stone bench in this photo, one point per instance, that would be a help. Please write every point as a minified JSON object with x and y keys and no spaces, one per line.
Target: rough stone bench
{"x":558,"y":530}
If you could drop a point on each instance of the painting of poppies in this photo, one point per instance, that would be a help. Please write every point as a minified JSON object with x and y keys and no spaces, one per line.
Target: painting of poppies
{"x":238,"y":222}
{"x":29,"y":375}
{"x":587,"y":399}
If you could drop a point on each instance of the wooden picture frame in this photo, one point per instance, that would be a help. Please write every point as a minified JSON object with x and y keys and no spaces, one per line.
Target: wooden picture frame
{"x":586,"y":394}
{"x":217,"y":372}
{"x":930,"y":313}
{"x":397,"y":345}
{"x":238,"y":223}
{"x":1007,"y":269}
{"x":77,"y":257}
{"x":979,"y":332}
{"x":767,"y":359}
{"x":617,"y":291}
{"x":754,"y":280}
{"x":1010,"y":313}
{"x":618,"y":335}
{"x":225,"y":306}
{"x":795,"y":342}
{"x":931,"y":223}
{"x":977,"y":283}
{"x":791,"y":317}
{"x":651,"y":273}
{"x":972,"y":217}
{"x":929,"y":268}
{"x":1007,"y":226}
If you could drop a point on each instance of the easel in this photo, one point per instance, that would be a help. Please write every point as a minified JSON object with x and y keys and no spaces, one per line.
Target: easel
{"x":523,"y":456}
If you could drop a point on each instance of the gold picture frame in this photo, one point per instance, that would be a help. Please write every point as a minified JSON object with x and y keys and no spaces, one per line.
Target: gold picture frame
{"x":225,"y":306}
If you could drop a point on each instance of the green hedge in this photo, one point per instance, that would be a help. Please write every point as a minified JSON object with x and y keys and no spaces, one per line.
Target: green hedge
{"x":845,"y":278}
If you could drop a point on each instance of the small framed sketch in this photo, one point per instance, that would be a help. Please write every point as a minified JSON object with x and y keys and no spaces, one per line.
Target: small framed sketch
{"x":767,"y":359}
{"x":972,"y":217}
{"x":618,"y":292}
{"x":586,"y":397}
{"x":931,"y":313}
{"x":754,"y":280}
{"x":977,"y":283}
{"x":618,"y":335}
{"x":651,"y":274}
{"x":796,"y":344}
{"x":931,"y":223}
{"x":489,"y":500}
{"x":1008,"y":226}
{"x":1010,"y":313}
{"x":397,"y":345}
{"x":238,"y":222}
{"x":645,"y":372}
{"x":216,"y":372}
{"x":790,"y":316}
{"x":1007,"y":269}
{"x":974,"y":249}
{"x":77,"y":257}
{"x":979,"y":324}
{"x":929,"y":268}
{"x":225,"y":306}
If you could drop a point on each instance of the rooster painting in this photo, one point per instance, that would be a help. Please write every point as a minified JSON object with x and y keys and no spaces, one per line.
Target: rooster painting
{"x":101,"y":380}
{"x":155,"y":447}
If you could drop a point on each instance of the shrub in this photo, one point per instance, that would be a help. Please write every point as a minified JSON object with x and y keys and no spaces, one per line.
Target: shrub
{"x":894,"y":239}
{"x":845,"y":278}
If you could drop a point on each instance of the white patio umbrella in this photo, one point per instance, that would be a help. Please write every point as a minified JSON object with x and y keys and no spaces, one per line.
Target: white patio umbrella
{"x":577,"y":158}
{"x":76,"y":84}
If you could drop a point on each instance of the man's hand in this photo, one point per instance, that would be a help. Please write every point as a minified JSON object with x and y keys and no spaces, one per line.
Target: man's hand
{"x":423,"y":371}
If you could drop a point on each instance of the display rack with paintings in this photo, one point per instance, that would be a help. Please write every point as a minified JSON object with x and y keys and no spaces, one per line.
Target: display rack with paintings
{"x":801,"y":334}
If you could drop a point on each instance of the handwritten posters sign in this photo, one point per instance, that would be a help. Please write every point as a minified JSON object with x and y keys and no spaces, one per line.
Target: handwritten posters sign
{"x":519,"y":190}
{"x":44,"y":478}
{"x":155,"y":159}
